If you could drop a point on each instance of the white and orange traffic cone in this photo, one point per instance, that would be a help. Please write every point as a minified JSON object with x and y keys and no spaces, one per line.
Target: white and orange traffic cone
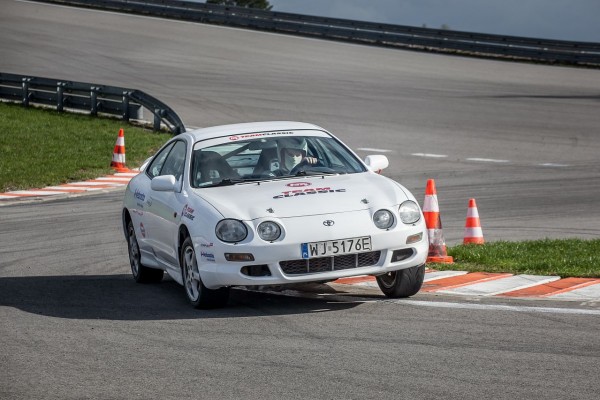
{"x":473,"y":232}
{"x":431,"y":212}
{"x":118,"y":159}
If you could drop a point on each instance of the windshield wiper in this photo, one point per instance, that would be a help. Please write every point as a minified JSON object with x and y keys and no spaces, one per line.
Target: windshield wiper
{"x":313,"y":173}
{"x":232,"y":181}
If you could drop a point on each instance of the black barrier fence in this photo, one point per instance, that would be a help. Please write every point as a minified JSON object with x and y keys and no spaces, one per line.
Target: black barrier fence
{"x":439,"y":40}
{"x":92,"y":98}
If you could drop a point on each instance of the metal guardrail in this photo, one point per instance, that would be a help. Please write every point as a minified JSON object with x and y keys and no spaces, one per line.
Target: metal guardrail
{"x":95,"y":99}
{"x":439,"y":40}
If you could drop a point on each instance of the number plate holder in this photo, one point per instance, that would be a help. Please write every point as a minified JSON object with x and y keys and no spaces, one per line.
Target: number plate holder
{"x":335,"y":247}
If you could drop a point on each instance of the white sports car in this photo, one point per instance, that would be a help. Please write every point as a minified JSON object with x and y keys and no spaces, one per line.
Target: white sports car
{"x":270,"y":203}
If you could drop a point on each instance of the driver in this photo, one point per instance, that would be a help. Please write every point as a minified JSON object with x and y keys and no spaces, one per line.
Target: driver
{"x":293,"y":152}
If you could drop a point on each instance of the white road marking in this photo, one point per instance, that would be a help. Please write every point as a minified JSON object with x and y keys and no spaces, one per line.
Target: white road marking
{"x":432,"y":276}
{"x":553,"y":165}
{"x":591,"y":292}
{"x":63,"y":188}
{"x":375,"y":150}
{"x":503,"y":285}
{"x":110,"y":178}
{"x":78,"y":184}
{"x":67,"y":188}
{"x":340,"y":298}
{"x":36,"y":192}
{"x":368,"y":284}
{"x":490,"y":160}
{"x":347,"y":298}
{"x":496,"y":307}
{"x":429,"y":155}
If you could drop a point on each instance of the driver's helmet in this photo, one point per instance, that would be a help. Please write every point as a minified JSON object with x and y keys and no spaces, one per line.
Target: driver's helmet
{"x":292,"y":150}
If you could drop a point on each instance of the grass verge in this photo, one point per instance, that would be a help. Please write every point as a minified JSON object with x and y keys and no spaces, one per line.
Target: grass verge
{"x":40,"y":147}
{"x":555,"y":257}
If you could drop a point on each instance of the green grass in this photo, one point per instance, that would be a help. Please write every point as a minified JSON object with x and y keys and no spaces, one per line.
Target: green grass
{"x":41,"y":147}
{"x":560,"y":257}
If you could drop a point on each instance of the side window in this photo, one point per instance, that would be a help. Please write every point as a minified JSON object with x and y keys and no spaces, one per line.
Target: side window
{"x":175,"y":161}
{"x":158,"y":162}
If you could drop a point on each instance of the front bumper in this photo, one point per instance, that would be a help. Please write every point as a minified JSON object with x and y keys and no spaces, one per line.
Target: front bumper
{"x":216,"y":272}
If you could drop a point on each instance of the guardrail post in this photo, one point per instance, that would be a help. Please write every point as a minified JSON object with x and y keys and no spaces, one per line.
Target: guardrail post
{"x":94,"y":101}
{"x":60,"y":88}
{"x":158,"y":113}
{"x":126,"y":106}
{"x":25,"y":86}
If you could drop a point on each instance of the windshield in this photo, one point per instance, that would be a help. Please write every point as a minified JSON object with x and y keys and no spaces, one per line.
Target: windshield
{"x":268,"y":158}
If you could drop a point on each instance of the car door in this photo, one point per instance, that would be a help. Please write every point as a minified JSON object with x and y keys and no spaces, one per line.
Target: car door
{"x":167,"y":206}
{"x":139,"y":189}
{"x":150,"y":220}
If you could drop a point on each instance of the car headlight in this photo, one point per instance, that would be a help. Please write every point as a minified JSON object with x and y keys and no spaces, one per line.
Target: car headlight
{"x":383,"y":219}
{"x":409,"y":212}
{"x":268,"y":231}
{"x":231,"y":230}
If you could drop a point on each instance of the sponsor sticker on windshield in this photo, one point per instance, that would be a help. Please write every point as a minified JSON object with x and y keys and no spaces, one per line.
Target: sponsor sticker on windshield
{"x":256,"y":135}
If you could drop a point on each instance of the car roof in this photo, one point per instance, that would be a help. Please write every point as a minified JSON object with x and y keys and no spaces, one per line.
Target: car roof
{"x":251,"y":127}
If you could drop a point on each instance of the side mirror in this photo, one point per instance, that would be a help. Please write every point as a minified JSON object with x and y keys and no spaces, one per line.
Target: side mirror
{"x":376,"y":163}
{"x":163,"y":183}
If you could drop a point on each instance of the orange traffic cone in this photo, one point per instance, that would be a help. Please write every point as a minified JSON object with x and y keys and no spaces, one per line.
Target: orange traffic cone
{"x":473,"y":232}
{"x":118,"y":159}
{"x":431,"y":211}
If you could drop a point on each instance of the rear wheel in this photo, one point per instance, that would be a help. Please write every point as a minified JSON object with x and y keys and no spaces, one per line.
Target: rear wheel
{"x":198,"y":294}
{"x":402,"y":283}
{"x":141,"y":273}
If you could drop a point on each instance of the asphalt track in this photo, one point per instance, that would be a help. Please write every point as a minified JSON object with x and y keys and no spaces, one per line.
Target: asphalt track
{"x":521,"y":138}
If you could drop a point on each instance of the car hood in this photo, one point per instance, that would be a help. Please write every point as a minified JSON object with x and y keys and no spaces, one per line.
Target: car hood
{"x":312,"y":195}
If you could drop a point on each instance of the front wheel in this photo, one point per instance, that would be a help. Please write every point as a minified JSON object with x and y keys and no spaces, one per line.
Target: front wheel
{"x":198,"y":294}
{"x":402,"y":283}
{"x":141,"y":273}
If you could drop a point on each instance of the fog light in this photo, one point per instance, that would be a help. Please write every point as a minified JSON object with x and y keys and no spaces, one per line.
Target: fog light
{"x":255,"y":270}
{"x":414,"y":238}
{"x":400,"y":255}
{"x":239,"y":257}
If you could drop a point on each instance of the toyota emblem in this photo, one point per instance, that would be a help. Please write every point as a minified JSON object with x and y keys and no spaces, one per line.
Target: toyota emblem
{"x":328,"y":222}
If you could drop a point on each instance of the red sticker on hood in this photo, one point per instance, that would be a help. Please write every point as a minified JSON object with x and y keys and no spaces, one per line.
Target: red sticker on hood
{"x":298,"y":184}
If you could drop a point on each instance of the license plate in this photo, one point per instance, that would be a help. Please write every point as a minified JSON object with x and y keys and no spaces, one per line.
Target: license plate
{"x":336,"y":247}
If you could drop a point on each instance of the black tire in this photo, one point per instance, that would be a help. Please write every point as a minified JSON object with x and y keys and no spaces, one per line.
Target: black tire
{"x":198,"y":294}
{"x":141,"y":273}
{"x":402,"y":283}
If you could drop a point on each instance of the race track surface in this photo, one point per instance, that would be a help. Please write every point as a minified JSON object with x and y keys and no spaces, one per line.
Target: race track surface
{"x":520,"y":138}
{"x":536,"y":125}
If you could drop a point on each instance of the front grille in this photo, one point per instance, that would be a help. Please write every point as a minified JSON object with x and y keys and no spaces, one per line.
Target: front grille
{"x":326,"y":264}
